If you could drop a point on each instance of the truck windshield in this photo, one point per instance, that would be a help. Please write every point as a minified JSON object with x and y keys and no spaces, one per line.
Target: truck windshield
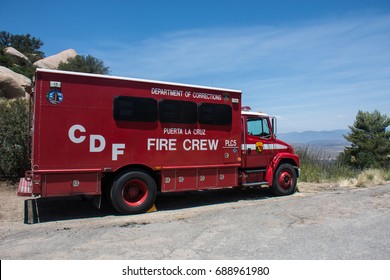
{"x":259,"y":127}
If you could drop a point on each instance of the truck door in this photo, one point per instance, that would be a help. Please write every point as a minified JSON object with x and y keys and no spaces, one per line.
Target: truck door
{"x":257,"y":148}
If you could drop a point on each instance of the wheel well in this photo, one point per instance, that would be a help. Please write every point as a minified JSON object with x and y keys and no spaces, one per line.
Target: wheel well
{"x":110,"y":176}
{"x":291,"y":162}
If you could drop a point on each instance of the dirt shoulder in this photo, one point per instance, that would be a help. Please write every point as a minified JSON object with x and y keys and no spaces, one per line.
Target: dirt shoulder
{"x":12,"y":206}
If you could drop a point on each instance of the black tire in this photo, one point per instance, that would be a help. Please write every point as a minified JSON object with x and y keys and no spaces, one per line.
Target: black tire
{"x":133,"y":192}
{"x":285,"y":180}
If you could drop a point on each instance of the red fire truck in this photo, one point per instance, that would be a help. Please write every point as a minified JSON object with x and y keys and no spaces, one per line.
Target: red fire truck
{"x":129,"y":139}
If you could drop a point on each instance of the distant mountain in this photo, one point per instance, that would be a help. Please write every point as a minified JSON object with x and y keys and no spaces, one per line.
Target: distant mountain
{"x":331,"y":141}
{"x":315,"y":137}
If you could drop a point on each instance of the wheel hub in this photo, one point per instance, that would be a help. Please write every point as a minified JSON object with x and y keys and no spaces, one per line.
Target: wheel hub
{"x":134,"y":192}
{"x":285,"y":180}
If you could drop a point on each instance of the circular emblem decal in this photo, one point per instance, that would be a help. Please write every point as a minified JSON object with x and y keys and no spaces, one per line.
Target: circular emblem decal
{"x":54,"y":96}
{"x":259,"y":147}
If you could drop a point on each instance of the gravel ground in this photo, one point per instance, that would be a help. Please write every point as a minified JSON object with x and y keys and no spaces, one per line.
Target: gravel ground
{"x":320,"y":222}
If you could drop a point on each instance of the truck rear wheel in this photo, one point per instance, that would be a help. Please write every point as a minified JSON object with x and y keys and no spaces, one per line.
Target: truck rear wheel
{"x":133,"y":192}
{"x":285,"y":180}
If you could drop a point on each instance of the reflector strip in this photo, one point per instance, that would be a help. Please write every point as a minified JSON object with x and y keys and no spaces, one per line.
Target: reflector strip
{"x":25,"y":187}
{"x":265,"y":147}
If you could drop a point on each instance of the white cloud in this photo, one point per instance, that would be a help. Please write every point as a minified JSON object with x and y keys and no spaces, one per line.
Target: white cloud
{"x":305,"y":72}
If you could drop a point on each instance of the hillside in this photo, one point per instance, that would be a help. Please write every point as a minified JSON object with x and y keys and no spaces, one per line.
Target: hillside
{"x":332,"y":142}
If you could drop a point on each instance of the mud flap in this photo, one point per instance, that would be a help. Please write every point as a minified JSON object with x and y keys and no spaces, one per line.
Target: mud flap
{"x":31,"y":215}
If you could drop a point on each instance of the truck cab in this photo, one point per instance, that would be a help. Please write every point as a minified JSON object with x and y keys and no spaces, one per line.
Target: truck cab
{"x":266,"y":160}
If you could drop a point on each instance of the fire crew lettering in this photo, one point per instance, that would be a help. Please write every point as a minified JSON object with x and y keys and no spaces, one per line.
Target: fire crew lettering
{"x":97,"y":143}
{"x":200,"y":144}
{"x":161,"y":144}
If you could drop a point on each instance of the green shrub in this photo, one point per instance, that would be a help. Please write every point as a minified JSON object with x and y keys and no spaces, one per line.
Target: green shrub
{"x":14,"y":158}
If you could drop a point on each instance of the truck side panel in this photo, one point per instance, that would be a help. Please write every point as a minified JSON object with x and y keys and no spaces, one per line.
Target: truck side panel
{"x":75,"y":129}
{"x":198,"y":178}
{"x":62,"y":184}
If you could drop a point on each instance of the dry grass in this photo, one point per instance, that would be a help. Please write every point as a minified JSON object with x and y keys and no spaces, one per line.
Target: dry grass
{"x":372,"y":177}
{"x":369,"y":177}
{"x":318,"y":167}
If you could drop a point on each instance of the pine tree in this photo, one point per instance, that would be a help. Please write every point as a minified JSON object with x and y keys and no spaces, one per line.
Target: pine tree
{"x":370,"y":141}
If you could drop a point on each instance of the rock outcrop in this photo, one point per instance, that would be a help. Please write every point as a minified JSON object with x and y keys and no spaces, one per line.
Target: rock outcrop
{"x":18,"y":55}
{"x":53,"y":61}
{"x":13,"y":85}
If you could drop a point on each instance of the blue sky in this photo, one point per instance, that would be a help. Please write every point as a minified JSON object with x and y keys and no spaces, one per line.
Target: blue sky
{"x":313,"y":64}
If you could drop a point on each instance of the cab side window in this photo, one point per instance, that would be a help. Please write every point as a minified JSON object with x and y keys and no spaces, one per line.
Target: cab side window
{"x":258,"y":127}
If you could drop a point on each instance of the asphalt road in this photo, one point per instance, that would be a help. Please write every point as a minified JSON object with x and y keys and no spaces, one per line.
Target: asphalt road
{"x":222,"y":224}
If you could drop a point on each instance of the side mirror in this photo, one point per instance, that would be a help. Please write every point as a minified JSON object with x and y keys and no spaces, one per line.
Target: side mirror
{"x":274,"y":124}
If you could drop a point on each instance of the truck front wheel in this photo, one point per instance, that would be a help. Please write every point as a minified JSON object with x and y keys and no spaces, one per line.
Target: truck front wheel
{"x":285,"y":180}
{"x":133,"y":192}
